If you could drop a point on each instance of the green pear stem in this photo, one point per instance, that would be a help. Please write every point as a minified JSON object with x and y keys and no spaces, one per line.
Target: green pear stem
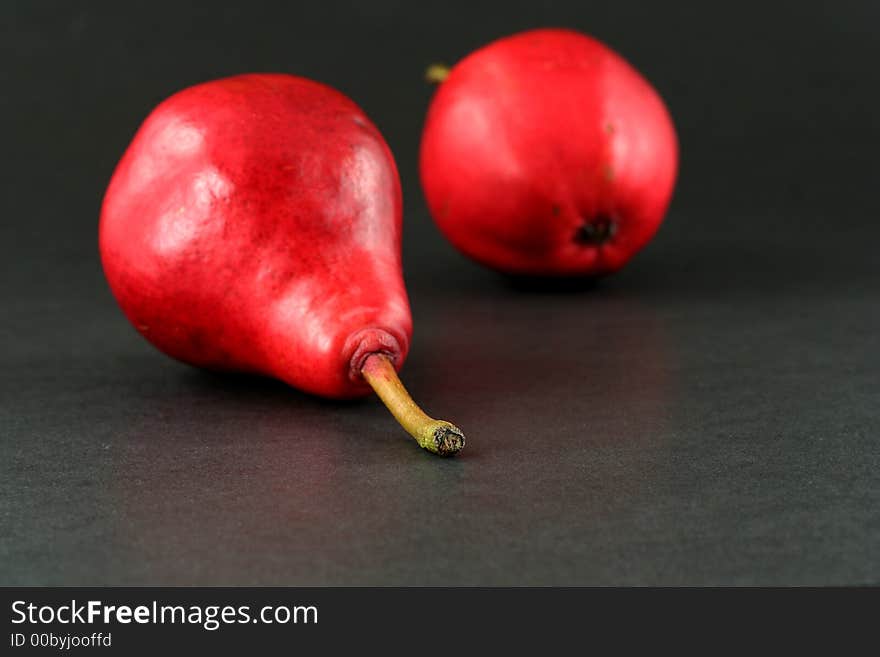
{"x":436,"y":73}
{"x":437,"y":436}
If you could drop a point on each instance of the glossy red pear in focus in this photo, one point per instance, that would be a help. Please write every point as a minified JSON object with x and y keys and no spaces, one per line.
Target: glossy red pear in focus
{"x":254,"y":225}
{"x":546,"y":153}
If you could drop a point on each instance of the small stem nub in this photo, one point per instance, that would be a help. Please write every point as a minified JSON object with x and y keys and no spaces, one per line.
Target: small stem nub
{"x":436,"y":73}
{"x":437,"y":436}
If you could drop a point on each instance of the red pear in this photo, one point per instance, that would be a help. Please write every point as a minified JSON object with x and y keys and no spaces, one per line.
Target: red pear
{"x":254,"y":225}
{"x":546,"y":153}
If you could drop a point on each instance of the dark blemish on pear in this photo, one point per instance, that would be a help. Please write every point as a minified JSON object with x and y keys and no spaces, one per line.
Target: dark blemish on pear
{"x":597,"y":231}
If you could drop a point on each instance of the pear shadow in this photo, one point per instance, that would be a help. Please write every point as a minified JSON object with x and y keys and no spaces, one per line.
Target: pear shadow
{"x":551,"y":284}
{"x":354,"y":424}
{"x":249,"y":386}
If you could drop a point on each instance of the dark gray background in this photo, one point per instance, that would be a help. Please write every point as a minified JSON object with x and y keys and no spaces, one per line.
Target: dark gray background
{"x":707,"y":416}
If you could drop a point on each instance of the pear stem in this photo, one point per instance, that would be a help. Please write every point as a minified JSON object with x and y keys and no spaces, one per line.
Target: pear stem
{"x":436,"y":73}
{"x":437,"y":436}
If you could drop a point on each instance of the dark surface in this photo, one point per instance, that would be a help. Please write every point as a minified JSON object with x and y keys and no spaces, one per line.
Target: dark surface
{"x":709,"y":415}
